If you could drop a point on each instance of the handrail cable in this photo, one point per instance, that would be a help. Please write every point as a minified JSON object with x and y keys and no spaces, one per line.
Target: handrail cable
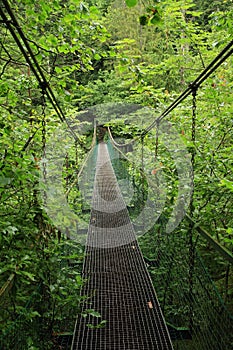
{"x":217,"y":246}
{"x":43,"y":82}
{"x":123,"y":144}
{"x":83,"y":165}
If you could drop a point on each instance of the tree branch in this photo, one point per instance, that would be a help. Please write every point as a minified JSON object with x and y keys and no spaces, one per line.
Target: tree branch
{"x":4,"y":67}
{"x":40,"y":47}
{"x":28,"y":141}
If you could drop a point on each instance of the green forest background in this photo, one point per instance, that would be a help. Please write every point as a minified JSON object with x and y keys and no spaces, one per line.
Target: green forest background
{"x":104,"y":51}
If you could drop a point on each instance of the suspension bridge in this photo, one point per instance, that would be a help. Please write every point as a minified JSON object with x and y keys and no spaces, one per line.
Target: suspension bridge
{"x":166,"y":302}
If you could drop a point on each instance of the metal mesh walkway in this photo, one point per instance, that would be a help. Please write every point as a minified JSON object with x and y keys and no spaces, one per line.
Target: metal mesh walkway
{"x":118,"y":284}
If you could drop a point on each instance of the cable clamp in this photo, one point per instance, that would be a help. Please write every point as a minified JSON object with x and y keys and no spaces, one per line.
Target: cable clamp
{"x":43,"y":85}
{"x":194,"y":87}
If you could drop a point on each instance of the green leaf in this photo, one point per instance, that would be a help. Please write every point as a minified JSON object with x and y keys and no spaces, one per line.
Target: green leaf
{"x":227,"y":183}
{"x":5,"y":180}
{"x":155,"y":19}
{"x":78,"y":280}
{"x":97,"y":57}
{"x":58,"y":70}
{"x":27,"y":274}
{"x":100,"y":325}
{"x":131,"y":3}
{"x":75,"y":2}
{"x":94,"y":313}
{"x":91,"y":312}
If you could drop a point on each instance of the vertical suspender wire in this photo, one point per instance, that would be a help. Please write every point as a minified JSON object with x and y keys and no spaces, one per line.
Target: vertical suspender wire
{"x":67,"y":185}
{"x":157,"y":140}
{"x":191,"y":226}
{"x":44,"y":289}
{"x":143,"y":178}
{"x":76,"y":171}
{"x":67,"y":173}
{"x":156,"y":165}
{"x":142,"y":153}
{"x":43,"y":139}
{"x":76,"y":156}
{"x":44,"y":142}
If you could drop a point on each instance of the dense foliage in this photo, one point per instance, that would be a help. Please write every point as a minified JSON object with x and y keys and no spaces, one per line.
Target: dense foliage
{"x":94,"y":52}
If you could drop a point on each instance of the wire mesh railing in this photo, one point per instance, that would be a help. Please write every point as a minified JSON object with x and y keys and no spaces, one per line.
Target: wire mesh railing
{"x":199,"y":309}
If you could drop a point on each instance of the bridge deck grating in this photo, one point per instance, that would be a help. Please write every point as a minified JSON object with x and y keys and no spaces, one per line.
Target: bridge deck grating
{"x":117,"y":281}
